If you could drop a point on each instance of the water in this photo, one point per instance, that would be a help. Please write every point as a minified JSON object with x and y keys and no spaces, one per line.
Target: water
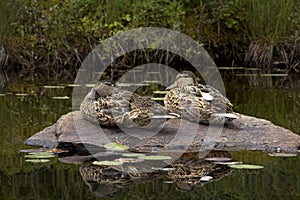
{"x":22,"y":116}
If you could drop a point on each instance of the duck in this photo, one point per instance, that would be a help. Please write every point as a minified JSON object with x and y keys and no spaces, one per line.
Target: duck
{"x":110,"y":106}
{"x":197,"y":102}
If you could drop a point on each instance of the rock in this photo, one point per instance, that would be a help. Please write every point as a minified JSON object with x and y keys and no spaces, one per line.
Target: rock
{"x":245,"y":133}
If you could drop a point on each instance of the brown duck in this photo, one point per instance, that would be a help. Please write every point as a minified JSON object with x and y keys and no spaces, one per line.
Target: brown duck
{"x":111,"y":106}
{"x":196,"y":102}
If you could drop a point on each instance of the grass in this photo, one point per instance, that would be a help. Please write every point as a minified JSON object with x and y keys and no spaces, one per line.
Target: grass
{"x":272,"y":27}
{"x":259,"y":34}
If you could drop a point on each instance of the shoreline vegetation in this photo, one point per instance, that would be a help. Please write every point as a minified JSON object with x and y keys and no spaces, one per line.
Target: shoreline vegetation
{"x":41,"y":35}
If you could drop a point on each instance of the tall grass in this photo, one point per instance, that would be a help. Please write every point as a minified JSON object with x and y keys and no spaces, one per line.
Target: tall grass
{"x":270,"y":25}
{"x":270,"y":20}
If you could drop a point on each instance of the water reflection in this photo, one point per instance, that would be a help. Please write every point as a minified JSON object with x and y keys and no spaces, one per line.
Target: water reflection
{"x":23,"y":116}
{"x":186,"y":173}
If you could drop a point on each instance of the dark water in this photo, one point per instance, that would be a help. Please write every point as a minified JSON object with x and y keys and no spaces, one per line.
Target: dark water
{"x":22,"y":116}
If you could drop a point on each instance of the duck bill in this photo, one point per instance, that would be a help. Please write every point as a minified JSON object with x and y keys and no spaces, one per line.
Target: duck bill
{"x":171,"y":86}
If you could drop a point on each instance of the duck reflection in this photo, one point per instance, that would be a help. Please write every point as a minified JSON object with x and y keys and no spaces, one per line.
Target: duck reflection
{"x":186,"y":173}
{"x":190,"y":171}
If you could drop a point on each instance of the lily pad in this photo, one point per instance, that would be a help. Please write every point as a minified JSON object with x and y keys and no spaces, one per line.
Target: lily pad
{"x":129,"y":160}
{"x":73,"y":85}
{"x":218,"y":159}
{"x":228,"y":163}
{"x":133,"y":154}
{"x":152,"y":81}
{"x":32,"y":150}
{"x":246,"y":166}
{"x":167,"y":169}
{"x":157,"y":98}
{"x":90,"y":85}
{"x":283,"y":154}
{"x":54,"y":86}
{"x":38,"y":160}
{"x":21,"y":94}
{"x":132,"y":84}
{"x":160,"y":92}
{"x":116,"y":147}
{"x":169,"y":182}
{"x":62,"y":97}
{"x":107,"y":163}
{"x":40,"y":155}
{"x":155,"y":157}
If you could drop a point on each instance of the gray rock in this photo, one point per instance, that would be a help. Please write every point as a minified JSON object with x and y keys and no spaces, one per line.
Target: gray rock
{"x":245,"y":133}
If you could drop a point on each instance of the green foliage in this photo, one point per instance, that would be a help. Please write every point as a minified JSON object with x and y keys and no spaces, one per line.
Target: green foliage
{"x":61,"y":33}
{"x":163,"y":13}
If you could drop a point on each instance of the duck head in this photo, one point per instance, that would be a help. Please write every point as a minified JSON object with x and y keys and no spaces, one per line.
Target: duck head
{"x":104,"y":88}
{"x":185,"y":78}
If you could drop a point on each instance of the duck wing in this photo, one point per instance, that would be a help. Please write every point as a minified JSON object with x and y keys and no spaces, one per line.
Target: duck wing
{"x":188,"y":103}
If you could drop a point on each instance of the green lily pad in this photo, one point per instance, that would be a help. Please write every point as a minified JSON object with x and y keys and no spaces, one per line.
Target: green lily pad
{"x":160,"y":92}
{"x":246,"y":166}
{"x":283,"y":154}
{"x":21,"y":94}
{"x":169,"y":182}
{"x":124,"y":84}
{"x":132,"y":84}
{"x":133,"y":154}
{"x":54,"y":86}
{"x":40,"y":155}
{"x":32,"y":150}
{"x":156,"y":157}
{"x":90,"y":85}
{"x":157,"y":98}
{"x":116,"y":147}
{"x":63,"y":97}
{"x":218,"y":159}
{"x":128,"y":160}
{"x":168,"y":169}
{"x":73,"y":85}
{"x":37,"y":160}
{"x":228,"y":163}
{"x":107,"y":163}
